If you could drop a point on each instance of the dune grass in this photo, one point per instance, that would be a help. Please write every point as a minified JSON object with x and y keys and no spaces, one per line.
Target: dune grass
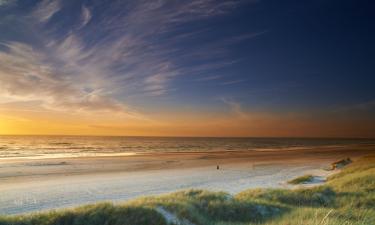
{"x":348,"y":198}
{"x":302,"y":179}
{"x":98,"y":214}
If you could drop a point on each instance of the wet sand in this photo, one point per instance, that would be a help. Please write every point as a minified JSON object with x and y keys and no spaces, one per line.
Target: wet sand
{"x":29,"y":185}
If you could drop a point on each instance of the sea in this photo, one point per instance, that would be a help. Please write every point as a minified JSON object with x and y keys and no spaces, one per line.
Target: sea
{"x":77,"y":146}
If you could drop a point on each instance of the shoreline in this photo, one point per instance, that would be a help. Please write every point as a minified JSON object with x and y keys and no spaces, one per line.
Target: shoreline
{"x":61,"y":155}
{"x":40,"y":196}
{"x":23,"y":170}
{"x":34,"y":185}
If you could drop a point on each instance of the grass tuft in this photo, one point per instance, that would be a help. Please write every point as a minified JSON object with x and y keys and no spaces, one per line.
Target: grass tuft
{"x":302,"y":179}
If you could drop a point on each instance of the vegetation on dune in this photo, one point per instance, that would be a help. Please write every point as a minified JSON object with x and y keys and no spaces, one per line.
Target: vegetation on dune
{"x":205,"y":207}
{"x":348,"y":198}
{"x":321,"y":196}
{"x":302,"y":179}
{"x":341,"y":163}
{"x":99,"y":214}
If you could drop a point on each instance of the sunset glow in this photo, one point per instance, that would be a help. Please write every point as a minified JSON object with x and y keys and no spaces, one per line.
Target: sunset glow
{"x":139,"y":112}
{"x":189,"y":68}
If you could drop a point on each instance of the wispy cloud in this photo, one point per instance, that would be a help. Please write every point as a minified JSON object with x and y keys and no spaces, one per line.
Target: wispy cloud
{"x":209,"y":78}
{"x":158,"y":18}
{"x":46,"y":9}
{"x":89,"y":69}
{"x":25,"y":75}
{"x":85,"y":16}
{"x":236,"y":109}
{"x":244,"y":37}
{"x":6,"y":2}
{"x":233,"y":82}
{"x":362,"y":106}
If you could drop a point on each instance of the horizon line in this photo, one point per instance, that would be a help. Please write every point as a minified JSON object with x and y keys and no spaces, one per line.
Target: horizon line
{"x":170,"y":136}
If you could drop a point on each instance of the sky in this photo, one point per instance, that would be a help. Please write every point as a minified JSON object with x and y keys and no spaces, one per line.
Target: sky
{"x":259,"y":68}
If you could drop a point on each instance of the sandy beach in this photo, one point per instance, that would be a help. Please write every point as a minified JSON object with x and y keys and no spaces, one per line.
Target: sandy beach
{"x":29,"y":185}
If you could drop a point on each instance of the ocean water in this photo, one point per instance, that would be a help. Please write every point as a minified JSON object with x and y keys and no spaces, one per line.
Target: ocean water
{"x":76,"y":146}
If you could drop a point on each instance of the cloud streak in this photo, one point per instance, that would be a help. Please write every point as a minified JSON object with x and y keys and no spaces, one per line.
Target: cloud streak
{"x":236,"y":109}
{"x":26,"y":77}
{"x":92,"y":69}
{"x":46,"y":9}
{"x":86,"y":16}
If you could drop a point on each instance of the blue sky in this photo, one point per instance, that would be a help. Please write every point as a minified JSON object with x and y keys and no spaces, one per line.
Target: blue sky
{"x":230,"y":58}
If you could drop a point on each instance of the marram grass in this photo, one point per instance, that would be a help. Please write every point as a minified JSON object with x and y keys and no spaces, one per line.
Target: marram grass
{"x":348,"y":198}
{"x":302,"y":179}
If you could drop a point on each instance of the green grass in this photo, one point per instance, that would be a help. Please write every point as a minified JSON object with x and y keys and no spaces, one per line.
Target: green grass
{"x":348,"y":198}
{"x":302,"y":179}
{"x":99,"y":214}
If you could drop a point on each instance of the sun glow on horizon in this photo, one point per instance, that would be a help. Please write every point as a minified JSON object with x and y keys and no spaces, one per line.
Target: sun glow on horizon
{"x":187,"y":68}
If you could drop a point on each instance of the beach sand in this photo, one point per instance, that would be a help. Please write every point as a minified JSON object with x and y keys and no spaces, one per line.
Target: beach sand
{"x":29,"y":185}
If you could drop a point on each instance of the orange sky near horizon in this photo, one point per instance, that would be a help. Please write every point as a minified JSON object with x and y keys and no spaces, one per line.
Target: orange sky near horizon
{"x":187,"y":68}
{"x":230,"y":124}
